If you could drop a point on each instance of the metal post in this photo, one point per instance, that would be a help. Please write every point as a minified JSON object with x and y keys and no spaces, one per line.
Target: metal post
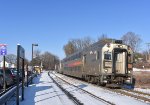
{"x":32,"y":58}
{"x":17,"y":93}
{"x":4,"y":73}
{"x":147,"y":56}
{"x":27,"y":75}
{"x":22,"y":79}
{"x":32,"y":63}
{"x":32,"y":52}
{"x":41,"y":68}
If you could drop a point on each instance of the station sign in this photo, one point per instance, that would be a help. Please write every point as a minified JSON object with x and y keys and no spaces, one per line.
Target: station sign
{"x":3,"y":49}
{"x":21,"y":52}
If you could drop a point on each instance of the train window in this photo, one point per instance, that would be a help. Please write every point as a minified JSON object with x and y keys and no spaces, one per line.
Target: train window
{"x":76,"y":56}
{"x":130,"y":58}
{"x":107,"y":56}
{"x":97,"y":55}
{"x":79,"y":67}
{"x":79,"y":55}
{"x":65,"y":68}
{"x":74,"y":68}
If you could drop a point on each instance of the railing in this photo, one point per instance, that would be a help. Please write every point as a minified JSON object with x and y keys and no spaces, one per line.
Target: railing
{"x":5,"y":97}
{"x":8,"y":94}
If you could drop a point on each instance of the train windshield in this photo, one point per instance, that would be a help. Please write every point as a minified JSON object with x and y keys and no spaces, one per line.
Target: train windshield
{"x":107,"y":56}
{"x":130,"y":61}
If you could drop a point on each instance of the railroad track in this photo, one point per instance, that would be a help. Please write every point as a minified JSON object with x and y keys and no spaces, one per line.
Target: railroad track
{"x":90,"y":94}
{"x":135,"y":94}
{"x":138,"y":92}
{"x":74,"y":99}
{"x":131,"y":93}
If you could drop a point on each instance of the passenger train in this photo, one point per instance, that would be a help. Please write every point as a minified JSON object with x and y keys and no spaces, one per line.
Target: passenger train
{"x":106,"y":64}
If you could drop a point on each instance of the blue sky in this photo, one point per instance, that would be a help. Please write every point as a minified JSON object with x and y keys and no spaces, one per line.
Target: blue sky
{"x":51,"y":23}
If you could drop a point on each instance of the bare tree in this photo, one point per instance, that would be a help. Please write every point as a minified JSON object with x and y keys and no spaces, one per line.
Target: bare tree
{"x":36,"y":61}
{"x":26,"y":61}
{"x":36,"y":53}
{"x":49,"y":60}
{"x":69,"y":48}
{"x":145,"y":55}
{"x":74,"y":45}
{"x":104,"y":39}
{"x":87,"y":41}
{"x":11,"y":58}
{"x":132,"y":39}
{"x":78,"y":43}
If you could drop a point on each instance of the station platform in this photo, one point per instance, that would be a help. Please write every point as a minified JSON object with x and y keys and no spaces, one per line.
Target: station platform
{"x":44,"y":92}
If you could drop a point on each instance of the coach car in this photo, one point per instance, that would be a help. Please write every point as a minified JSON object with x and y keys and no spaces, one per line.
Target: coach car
{"x":101,"y":63}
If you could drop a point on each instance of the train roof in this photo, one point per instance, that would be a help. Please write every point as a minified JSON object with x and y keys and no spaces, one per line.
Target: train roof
{"x":99,"y":44}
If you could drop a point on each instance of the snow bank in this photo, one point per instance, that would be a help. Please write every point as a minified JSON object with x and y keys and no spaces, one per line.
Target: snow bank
{"x":136,"y":69}
{"x":143,"y":90}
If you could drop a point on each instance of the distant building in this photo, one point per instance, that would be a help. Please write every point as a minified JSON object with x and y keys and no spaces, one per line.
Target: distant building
{"x":7,"y":65}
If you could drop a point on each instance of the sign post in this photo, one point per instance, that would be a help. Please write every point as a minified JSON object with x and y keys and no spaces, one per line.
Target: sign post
{"x":20,"y":54}
{"x":3,"y":52}
{"x":27,"y":75}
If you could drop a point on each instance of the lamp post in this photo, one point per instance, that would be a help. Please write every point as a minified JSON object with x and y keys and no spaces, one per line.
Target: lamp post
{"x":32,"y":56}
{"x":32,"y":49}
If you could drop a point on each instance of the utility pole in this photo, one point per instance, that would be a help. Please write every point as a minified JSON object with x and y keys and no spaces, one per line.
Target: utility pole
{"x":148,"y":55}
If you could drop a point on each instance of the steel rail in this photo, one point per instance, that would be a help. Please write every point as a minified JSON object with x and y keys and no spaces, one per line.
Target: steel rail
{"x":74,"y":99}
{"x":92,"y":95}
{"x":119,"y":91}
{"x":136,"y":96}
{"x":138,"y":92}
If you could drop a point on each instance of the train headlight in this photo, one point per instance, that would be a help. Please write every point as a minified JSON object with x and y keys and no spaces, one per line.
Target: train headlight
{"x":129,"y":71}
{"x":106,"y":71}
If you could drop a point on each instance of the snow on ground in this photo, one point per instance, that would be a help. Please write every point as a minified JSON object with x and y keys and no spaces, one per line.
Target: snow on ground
{"x":83,"y":97}
{"x":116,"y":98}
{"x":143,"y":90}
{"x":136,"y":69}
{"x":44,"y":92}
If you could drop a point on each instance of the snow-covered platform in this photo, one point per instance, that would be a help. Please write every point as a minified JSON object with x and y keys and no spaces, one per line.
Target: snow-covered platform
{"x":44,"y":92}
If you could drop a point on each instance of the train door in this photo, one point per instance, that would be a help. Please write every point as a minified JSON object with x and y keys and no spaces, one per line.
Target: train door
{"x":120,"y":61}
